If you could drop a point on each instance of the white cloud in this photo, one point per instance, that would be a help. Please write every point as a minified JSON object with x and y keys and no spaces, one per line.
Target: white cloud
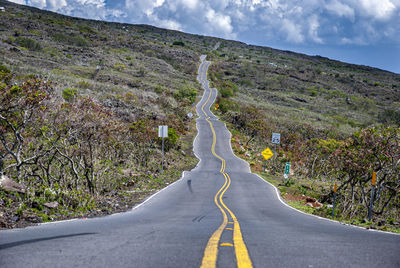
{"x":21,"y":2}
{"x":295,"y":22}
{"x":219,"y":23}
{"x":37,"y":3}
{"x":191,"y":4}
{"x":378,"y":9}
{"x":293,"y":31}
{"x":313,"y":29}
{"x":340,"y":9}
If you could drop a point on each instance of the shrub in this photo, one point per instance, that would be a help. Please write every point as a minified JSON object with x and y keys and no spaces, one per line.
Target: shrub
{"x":186,"y":93}
{"x":172,"y":139}
{"x":75,"y":40}
{"x":28,"y":43}
{"x":69,"y":94}
{"x":227,"y":105}
{"x":179,"y":43}
{"x":119,"y":67}
{"x":226,"y":92}
{"x":228,"y":89}
{"x":83,"y":84}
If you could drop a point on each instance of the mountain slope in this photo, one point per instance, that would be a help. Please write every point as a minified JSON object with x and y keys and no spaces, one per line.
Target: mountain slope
{"x":103,"y":88}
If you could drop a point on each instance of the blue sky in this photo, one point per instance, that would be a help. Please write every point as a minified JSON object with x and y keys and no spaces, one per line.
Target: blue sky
{"x":357,"y":31}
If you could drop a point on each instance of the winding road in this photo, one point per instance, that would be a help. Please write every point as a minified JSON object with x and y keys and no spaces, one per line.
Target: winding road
{"x":217,"y":215}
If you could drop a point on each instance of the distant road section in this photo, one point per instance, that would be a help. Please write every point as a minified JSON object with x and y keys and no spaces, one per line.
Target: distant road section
{"x":217,"y":215}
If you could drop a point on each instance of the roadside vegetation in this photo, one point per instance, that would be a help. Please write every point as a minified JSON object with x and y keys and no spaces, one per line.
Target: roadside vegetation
{"x":80,"y":106}
{"x":338,"y":124}
{"x":81,"y":102}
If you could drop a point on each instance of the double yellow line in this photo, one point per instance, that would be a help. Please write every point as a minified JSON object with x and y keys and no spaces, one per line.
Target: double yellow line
{"x":211,"y":252}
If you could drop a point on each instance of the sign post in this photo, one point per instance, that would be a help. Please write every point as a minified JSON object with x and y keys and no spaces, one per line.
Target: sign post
{"x":287,"y":171}
{"x":334,"y":200}
{"x":267,"y":154}
{"x":371,"y":204}
{"x":162,"y":133}
{"x":276,"y":139}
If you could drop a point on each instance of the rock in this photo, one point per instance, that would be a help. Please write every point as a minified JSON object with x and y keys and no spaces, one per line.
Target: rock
{"x":51,"y":204}
{"x":9,"y":185}
{"x":300,"y":99}
{"x":1,"y":202}
{"x":15,"y":219}
{"x":33,"y":219}
{"x":3,"y":223}
{"x":310,"y":200}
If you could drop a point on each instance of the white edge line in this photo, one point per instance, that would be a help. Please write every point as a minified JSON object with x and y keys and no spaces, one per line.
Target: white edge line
{"x":321,"y":218}
{"x":156,"y":193}
{"x":277,"y":191}
{"x":183,"y":175}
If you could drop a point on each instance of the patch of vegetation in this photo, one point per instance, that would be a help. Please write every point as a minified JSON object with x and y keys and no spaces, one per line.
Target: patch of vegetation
{"x":179,"y":43}
{"x":75,"y":40}
{"x":28,"y":43}
{"x":186,"y":94}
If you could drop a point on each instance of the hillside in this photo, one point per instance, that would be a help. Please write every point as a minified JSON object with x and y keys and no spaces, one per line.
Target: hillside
{"x":97,"y":91}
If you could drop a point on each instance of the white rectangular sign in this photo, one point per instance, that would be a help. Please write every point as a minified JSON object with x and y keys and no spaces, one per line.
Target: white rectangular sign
{"x":163,"y":131}
{"x":276,"y":138}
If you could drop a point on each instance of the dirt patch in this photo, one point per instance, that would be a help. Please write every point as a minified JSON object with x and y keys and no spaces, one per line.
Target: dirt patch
{"x":308,"y":201}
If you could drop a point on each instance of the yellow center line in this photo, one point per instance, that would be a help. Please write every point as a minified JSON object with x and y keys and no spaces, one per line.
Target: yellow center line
{"x":226,"y":244}
{"x":211,"y":251}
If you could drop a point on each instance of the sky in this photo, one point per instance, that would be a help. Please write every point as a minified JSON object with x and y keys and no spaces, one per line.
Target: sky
{"x":356,"y":31}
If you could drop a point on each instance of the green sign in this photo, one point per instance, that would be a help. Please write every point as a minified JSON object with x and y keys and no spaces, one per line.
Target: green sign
{"x":287,"y":168}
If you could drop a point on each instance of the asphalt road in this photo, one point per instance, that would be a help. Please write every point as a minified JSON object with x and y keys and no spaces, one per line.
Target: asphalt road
{"x":217,"y":214}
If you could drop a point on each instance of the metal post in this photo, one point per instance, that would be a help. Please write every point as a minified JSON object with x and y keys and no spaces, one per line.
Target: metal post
{"x":273,"y":160}
{"x":372,"y":196}
{"x":334,"y":200}
{"x":371,"y":203}
{"x":333,"y":205}
{"x":162,"y":160}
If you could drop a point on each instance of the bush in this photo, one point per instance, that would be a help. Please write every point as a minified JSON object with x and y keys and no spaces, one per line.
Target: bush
{"x":226,"y":92}
{"x":228,"y":89}
{"x":69,"y":94}
{"x":172,"y":139}
{"x":75,"y":40}
{"x":227,"y":105}
{"x":186,"y":93}
{"x":179,"y":43}
{"x":390,"y":116}
{"x":28,"y":43}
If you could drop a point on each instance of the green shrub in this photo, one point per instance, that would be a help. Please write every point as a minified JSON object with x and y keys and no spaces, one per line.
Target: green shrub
{"x":83,"y":84}
{"x":226,"y":92}
{"x":75,"y":40}
{"x":186,"y":93}
{"x":179,"y":43}
{"x":69,"y":94}
{"x":119,"y":67}
{"x":4,"y":69}
{"x":228,"y":89}
{"x":172,"y":139}
{"x":227,"y":105}
{"x":28,"y":43}
{"x":390,"y":116}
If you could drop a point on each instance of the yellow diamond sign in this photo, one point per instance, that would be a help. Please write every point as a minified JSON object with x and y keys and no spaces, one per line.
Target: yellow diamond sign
{"x":267,"y":153}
